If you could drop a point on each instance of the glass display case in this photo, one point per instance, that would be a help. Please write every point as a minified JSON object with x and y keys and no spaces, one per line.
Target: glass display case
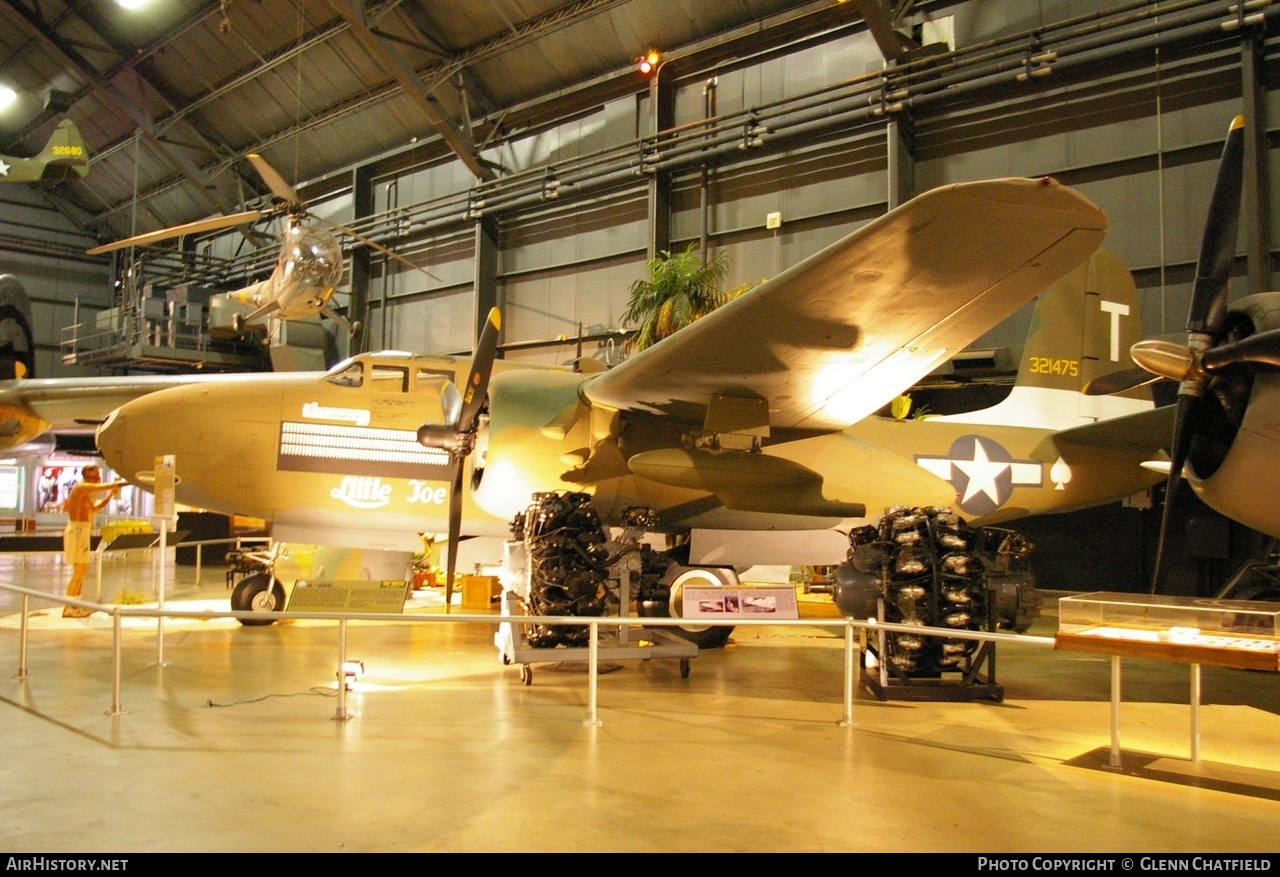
{"x":1229,"y":633}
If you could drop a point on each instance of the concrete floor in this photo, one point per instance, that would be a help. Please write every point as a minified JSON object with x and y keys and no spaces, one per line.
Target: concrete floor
{"x":232,"y":745}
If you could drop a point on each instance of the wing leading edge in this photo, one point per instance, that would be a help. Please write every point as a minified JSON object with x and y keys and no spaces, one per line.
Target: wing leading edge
{"x":834,"y":338}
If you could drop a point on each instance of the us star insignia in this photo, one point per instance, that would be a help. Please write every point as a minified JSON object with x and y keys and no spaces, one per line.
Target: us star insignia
{"x":983,"y":473}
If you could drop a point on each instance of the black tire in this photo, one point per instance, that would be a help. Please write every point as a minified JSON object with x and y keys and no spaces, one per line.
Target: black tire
{"x":252,"y":594}
{"x":708,"y":637}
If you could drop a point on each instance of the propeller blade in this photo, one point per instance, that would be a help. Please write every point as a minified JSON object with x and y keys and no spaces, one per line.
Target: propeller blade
{"x":459,"y":436}
{"x":477,"y":386}
{"x":272,"y":178}
{"x":1205,"y":318}
{"x":369,"y":242}
{"x":1218,"y":246}
{"x":200,"y":225}
{"x":1261,"y":349}
{"x":1177,"y":459}
{"x":1119,"y":382}
{"x":455,"y":529}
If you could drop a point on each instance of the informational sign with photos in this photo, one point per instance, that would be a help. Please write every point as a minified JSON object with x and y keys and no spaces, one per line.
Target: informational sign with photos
{"x":744,"y":602}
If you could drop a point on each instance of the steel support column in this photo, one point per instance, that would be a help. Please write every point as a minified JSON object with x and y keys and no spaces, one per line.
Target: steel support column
{"x":662,"y":105}
{"x":361,"y":260}
{"x":901,"y":161}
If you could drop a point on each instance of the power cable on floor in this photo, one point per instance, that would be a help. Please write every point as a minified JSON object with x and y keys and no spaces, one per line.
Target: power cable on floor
{"x":321,"y":692}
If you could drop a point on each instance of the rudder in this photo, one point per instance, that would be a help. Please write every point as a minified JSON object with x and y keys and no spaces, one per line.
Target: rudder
{"x":1082,"y":328}
{"x":65,"y":155}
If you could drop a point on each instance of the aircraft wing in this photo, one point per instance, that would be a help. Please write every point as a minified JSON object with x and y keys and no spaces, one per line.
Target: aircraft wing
{"x":836,"y":337}
{"x":1140,"y":431}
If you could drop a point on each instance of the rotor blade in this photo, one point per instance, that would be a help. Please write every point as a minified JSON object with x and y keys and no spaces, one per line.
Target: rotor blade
{"x":200,"y":225}
{"x":1119,"y":382}
{"x":1177,"y":459}
{"x":1218,"y":246}
{"x":455,"y":529}
{"x":1261,"y":349}
{"x":377,"y":246}
{"x":477,"y":386}
{"x":272,"y":178}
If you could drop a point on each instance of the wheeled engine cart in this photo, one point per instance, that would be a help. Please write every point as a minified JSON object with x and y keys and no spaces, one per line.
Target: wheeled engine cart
{"x":621,"y":643}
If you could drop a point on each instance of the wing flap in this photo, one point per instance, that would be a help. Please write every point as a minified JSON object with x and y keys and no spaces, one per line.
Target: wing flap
{"x":834,"y":338}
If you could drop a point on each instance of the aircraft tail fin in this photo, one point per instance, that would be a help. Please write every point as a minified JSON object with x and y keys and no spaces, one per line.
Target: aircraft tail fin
{"x":65,"y":155}
{"x":1082,"y":328}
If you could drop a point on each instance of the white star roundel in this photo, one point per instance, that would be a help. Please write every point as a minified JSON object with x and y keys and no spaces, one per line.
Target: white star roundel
{"x":983,"y":473}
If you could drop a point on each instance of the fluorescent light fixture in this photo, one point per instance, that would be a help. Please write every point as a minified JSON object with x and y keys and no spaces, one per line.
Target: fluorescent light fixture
{"x":132,"y":4}
{"x":7,"y":97}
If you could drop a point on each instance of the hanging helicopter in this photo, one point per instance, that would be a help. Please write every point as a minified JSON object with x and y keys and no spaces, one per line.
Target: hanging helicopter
{"x":308,"y":267}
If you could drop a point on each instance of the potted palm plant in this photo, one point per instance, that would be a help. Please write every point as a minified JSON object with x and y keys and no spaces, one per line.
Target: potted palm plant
{"x":681,"y":288}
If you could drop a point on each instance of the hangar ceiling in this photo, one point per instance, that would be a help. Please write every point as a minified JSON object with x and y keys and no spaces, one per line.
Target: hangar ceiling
{"x":170,"y":97}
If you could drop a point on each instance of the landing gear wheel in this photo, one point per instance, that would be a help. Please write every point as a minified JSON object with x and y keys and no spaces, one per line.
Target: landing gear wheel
{"x":257,"y":593}
{"x":684,"y":668}
{"x":526,"y":674}
{"x":704,"y":637}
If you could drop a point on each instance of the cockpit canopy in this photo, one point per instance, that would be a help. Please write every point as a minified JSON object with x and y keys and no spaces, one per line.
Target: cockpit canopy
{"x":312,"y":256}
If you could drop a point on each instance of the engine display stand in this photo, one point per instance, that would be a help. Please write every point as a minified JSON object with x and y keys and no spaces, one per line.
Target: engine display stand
{"x":963,"y":686}
{"x":974,"y":680}
{"x":620,"y":643}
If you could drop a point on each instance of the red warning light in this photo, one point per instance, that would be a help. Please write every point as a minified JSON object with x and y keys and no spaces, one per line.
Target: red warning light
{"x":648,"y":62}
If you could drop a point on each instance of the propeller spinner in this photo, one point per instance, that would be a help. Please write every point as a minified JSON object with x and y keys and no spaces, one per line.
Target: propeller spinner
{"x":457,"y":435}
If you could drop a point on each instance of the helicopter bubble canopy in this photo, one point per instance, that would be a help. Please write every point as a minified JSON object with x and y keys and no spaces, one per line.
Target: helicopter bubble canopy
{"x":312,"y":256}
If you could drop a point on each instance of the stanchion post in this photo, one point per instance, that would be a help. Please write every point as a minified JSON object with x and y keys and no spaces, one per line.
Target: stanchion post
{"x":117,"y":647}
{"x":166,"y":479}
{"x":850,"y":668}
{"x":593,"y":666}
{"x":1195,"y":713}
{"x":22,"y":640}
{"x":341,"y":714}
{"x":1115,"y":711}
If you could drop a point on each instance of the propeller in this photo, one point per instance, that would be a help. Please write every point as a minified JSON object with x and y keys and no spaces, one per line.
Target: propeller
{"x":1191,"y":364}
{"x":1119,"y":382}
{"x":200,"y":225}
{"x":457,"y":436}
{"x":289,"y":195}
{"x":275,"y":182}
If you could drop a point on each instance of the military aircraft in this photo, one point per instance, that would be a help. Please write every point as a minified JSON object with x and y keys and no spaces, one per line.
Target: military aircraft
{"x":756,"y":420}
{"x":307,"y":270}
{"x":1226,"y":435}
{"x":64,"y":157}
{"x":308,"y":267}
